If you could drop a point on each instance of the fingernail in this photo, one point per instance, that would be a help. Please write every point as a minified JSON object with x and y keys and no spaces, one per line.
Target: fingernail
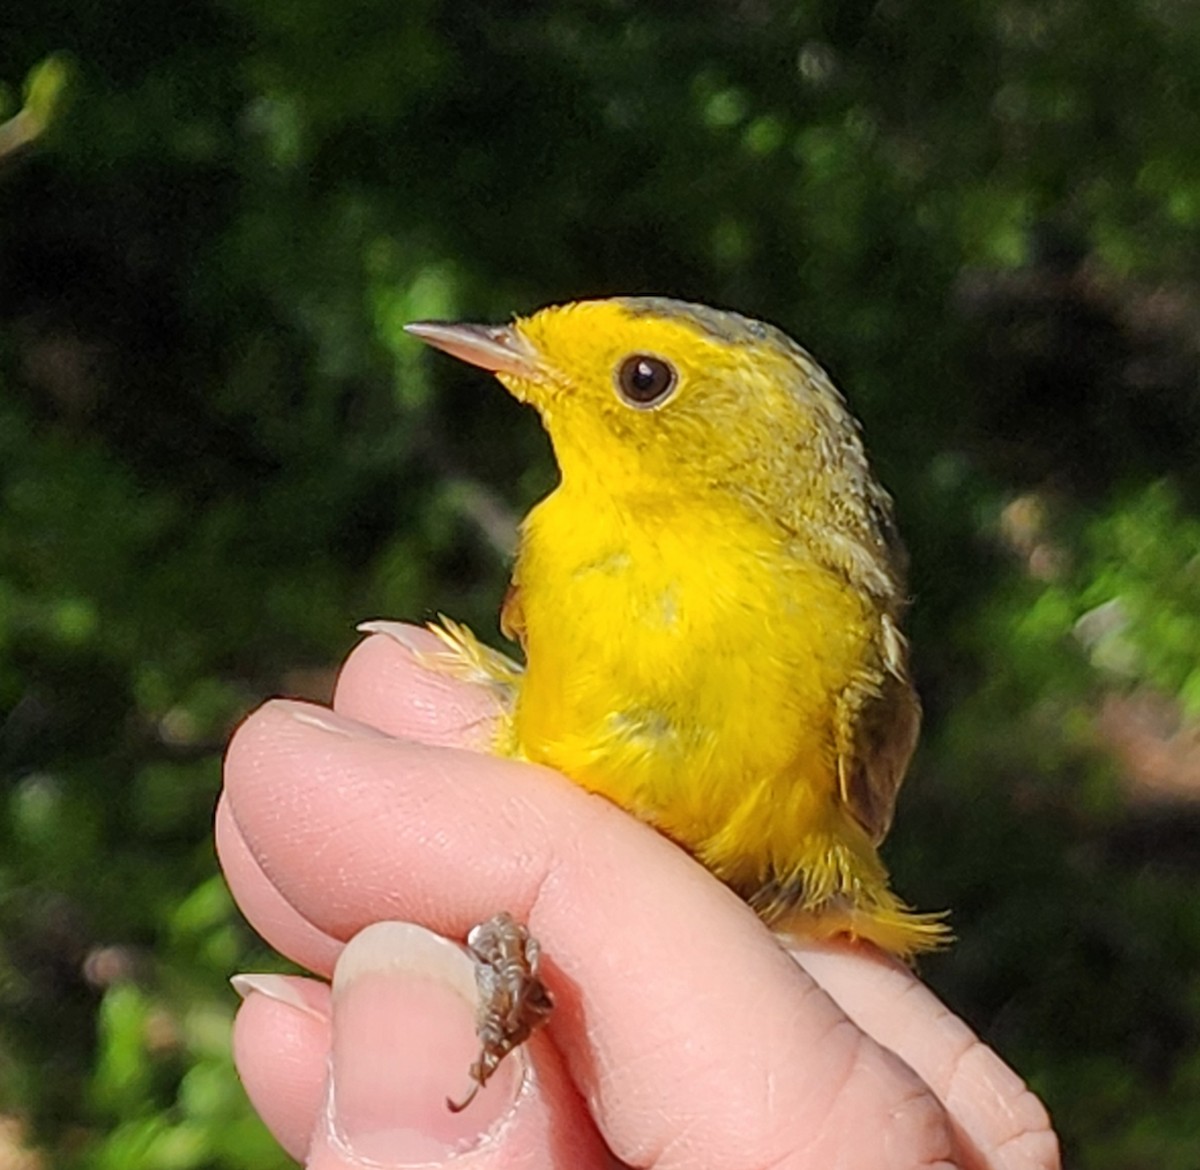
{"x":403,"y":1041}
{"x":410,"y":637}
{"x":286,"y":989}
{"x":329,"y":721}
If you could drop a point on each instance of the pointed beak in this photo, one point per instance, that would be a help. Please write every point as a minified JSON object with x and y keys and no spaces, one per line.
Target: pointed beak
{"x":498,"y":348}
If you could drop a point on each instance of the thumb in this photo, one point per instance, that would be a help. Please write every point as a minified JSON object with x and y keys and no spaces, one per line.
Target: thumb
{"x":403,"y":1039}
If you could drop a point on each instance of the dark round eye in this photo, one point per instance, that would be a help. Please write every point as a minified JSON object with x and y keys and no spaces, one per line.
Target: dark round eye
{"x":644,"y":380}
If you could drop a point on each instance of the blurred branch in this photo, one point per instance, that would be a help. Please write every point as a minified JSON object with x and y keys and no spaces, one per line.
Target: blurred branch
{"x":44,"y":91}
{"x":490,"y":513}
{"x":493,"y":516}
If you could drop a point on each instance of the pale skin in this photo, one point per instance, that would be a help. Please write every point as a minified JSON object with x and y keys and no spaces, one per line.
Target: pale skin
{"x":684,"y":1033}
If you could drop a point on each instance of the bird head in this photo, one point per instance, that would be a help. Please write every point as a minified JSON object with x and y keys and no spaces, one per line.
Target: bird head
{"x":660,"y":398}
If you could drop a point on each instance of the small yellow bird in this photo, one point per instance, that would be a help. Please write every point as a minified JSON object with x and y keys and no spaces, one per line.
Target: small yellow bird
{"x":709,"y":603}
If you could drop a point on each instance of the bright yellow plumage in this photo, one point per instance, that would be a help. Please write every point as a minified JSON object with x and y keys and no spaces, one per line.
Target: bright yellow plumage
{"x":709,"y":602}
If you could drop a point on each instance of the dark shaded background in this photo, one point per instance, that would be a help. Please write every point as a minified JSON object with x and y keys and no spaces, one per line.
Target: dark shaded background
{"x":218,"y":451}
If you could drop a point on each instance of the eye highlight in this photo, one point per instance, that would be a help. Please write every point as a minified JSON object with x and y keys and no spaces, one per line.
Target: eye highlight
{"x":645,"y":381}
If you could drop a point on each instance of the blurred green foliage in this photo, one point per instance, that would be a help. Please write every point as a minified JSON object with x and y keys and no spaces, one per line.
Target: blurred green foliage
{"x":218,"y":450}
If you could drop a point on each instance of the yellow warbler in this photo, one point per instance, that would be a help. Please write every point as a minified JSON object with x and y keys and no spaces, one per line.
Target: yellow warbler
{"x":709,"y":603}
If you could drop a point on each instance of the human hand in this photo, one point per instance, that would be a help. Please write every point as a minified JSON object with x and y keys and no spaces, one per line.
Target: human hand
{"x":684,"y":1034}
